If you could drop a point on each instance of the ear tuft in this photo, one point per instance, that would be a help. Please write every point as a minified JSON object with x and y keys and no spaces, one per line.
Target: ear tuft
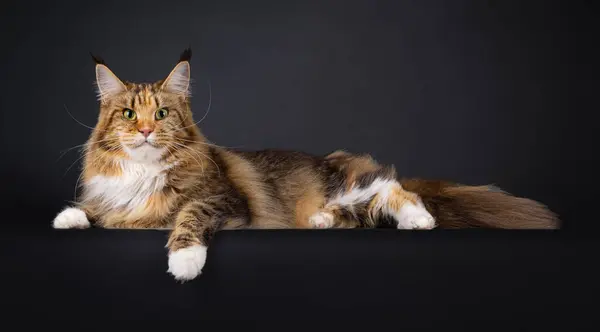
{"x":107,"y":83}
{"x":97,"y":60}
{"x":186,"y":55}
{"x":178,"y":81}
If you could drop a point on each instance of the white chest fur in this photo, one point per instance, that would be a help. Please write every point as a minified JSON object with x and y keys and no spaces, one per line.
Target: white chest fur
{"x":129,"y":190}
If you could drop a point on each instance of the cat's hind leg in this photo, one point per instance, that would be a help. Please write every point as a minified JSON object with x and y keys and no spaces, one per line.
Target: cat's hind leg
{"x":368,"y":202}
{"x":405,"y":207}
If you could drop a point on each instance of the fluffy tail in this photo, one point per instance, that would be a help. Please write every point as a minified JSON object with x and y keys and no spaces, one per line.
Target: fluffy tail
{"x":459,"y":206}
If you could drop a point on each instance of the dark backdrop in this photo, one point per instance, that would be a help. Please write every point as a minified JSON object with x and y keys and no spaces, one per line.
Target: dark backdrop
{"x":472,"y":91}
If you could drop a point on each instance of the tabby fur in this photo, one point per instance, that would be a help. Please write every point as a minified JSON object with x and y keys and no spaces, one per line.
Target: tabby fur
{"x":145,"y":171}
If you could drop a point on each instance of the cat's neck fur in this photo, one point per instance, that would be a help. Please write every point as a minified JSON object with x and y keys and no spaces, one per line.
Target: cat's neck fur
{"x":125,"y":184}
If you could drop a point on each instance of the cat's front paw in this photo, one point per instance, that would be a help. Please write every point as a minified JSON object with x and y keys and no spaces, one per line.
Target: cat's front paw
{"x":321,"y":220}
{"x":71,"y":218}
{"x":186,"y":264}
{"x":415,"y":217}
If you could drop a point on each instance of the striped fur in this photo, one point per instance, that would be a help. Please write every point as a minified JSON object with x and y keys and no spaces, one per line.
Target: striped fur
{"x":172,"y":178}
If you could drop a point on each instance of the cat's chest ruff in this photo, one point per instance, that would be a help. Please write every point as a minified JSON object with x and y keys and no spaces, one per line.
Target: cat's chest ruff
{"x":132,"y":188}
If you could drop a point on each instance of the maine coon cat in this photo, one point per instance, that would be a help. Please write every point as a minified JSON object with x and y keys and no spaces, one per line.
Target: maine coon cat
{"x":147,"y":165}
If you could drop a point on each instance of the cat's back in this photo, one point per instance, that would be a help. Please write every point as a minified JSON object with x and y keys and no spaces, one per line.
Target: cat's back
{"x":282,"y":161}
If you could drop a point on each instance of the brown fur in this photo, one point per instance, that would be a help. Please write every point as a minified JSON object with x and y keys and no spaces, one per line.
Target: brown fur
{"x":208,"y":188}
{"x":460,"y":206}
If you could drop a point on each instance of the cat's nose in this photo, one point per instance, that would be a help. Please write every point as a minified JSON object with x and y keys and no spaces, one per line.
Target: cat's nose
{"x":145,"y":131}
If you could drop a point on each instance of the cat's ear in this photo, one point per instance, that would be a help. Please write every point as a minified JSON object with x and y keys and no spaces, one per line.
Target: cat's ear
{"x":107,"y":83}
{"x":178,"y":81}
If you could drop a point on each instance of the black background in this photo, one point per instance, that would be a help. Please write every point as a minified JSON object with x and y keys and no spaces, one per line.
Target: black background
{"x":471,"y":91}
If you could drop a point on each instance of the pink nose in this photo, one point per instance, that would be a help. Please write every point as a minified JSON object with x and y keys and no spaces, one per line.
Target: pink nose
{"x":145,"y":131}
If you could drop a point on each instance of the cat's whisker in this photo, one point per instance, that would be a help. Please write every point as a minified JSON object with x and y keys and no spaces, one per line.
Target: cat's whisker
{"x":77,"y":186}
{"x":165,"y":136}
{"x":79,"y":122}
{"x":69,"y":149}
{"x":205,"y":113}
{"x":208,"y":144}
{"x":205,"y":156}
{"x":85,"y":146}
{"x":218,"y":169}
{"x":189,"y":154}
{"x":76,"y":160}
{"x":171,"y":152}
{"x":97,"y":158}
{"x":114,"y":148}
{"x":105,"y":152}
{"x":207,"y":109}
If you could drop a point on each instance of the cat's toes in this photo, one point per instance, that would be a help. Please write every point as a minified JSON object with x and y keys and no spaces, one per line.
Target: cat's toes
{"x":71,"y":218}
{"x":415,"y":217}
{"x":321,"y":220}
{"x":423,"y":222}
{"x":187,"y":263}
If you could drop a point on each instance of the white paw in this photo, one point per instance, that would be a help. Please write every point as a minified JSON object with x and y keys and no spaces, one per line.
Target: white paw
{"x":414,"y":217}
{"x":187,"y":263}
{"x":321,"y":220}
{"x":71,"y":218}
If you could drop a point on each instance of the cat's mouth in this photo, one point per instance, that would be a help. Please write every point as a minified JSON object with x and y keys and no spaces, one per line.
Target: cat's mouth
{"x":145,"y":144}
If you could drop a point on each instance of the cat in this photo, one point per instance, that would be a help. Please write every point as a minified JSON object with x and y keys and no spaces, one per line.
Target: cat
{"x":147,"y":165}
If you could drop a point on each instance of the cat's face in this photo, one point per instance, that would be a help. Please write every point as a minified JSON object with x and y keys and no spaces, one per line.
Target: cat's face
{"x":144,"y":121}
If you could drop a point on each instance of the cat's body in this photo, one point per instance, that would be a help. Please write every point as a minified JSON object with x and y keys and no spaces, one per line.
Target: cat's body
{"x":147,"y":165}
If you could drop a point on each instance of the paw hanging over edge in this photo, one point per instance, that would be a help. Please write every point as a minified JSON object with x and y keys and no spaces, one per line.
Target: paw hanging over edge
{"x":186,"y":264}
{"x":71,"y":218}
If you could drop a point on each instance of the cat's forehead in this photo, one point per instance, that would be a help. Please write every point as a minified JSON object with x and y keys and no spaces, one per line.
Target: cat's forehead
{"x":143,"y":88}
{"x":143,"y":94}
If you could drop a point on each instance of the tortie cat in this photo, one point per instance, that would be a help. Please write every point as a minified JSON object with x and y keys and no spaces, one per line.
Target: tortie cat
{"x":147,"y":165}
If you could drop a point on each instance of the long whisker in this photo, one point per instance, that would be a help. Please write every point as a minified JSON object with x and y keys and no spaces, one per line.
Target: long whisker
{"x":205,"y":114}
{"x":209,"y":144}
{"x":76,"y":160}
{"x":170,"y":152}
{"x":72,"y":117}
{"x":85,"y":145}
{"x":98,"y":157}
{"x":205,"y":156}
{"x":77,"y":186}
{"x":114,"y":148}
{"x":165,"y":136}
{"x":67,"y":150}
{"x":207,"y":108}
{"x":189,"y":154}
{"x":105,"y":152}
{"x":218,"y":169}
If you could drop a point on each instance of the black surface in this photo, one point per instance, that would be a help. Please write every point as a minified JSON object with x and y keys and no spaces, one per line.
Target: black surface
{"x":472,"y":91}
{"x":420,"y":279}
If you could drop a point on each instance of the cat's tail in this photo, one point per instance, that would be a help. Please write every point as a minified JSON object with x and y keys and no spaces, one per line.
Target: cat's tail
{"x":459,"y":206}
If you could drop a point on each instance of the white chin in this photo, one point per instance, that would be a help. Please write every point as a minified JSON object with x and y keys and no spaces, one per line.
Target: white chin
{"x":145,"y":153}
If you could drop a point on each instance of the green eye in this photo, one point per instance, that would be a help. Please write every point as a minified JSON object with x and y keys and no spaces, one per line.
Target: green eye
{"x":129,"y":114}
{"x":161,"y":114}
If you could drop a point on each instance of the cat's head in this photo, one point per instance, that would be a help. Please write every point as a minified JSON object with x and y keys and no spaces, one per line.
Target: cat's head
{"x":144,"y":120}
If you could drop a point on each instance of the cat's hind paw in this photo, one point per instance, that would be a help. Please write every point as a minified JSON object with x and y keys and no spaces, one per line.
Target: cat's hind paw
{"x":321,"y":220}
{"x":186,"y":264}
{"x":415,"y":217}
{"x":71,"y":218}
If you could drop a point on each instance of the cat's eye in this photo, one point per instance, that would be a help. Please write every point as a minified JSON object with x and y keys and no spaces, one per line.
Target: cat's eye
{"x":129,"y":114}
{"x":161,"y":114}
